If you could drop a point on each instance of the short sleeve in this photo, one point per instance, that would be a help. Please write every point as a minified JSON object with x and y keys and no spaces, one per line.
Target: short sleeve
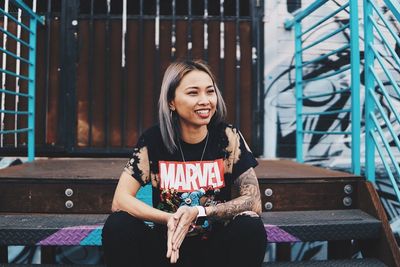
{"x":242,"y":155}
{"x":138,"y":165}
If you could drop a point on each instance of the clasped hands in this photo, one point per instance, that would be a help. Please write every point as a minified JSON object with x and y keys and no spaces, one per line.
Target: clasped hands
{"x":178,"y":226}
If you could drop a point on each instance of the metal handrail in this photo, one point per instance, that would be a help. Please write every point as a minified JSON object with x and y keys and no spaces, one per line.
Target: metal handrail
{"x":31,"y":29}
{"x":300,"y":79}
{"x":383,"y":129}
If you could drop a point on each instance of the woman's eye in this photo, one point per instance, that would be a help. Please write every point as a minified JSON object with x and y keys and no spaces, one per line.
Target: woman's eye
{"x":211,"y":91}
{"x":192,"y":93}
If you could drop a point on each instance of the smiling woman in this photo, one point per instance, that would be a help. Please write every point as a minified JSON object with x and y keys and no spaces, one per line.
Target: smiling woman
{"x":194,"y":161}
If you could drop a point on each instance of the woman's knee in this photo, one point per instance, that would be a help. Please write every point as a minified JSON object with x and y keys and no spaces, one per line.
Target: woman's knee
{"x":121,"y":225}
{"x":248,"y":227}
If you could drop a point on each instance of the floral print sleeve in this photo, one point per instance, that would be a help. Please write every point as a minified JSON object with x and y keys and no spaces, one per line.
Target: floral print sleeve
{"x":138,"y":165}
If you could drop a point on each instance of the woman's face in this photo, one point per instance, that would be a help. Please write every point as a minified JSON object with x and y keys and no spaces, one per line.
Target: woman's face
{"x":195,"y":100}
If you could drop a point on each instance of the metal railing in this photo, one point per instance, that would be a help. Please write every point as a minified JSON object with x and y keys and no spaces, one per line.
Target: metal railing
{"x":302,"y":45}
{"x":382,"y":93}
{"x":17,"y":15}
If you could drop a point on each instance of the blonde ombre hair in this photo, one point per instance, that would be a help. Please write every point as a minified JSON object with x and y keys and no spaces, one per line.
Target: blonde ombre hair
{"x":171,"y":80}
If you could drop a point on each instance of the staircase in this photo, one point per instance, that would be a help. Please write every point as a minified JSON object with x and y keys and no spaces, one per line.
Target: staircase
{"x":301,"y":203}
{"x":304,"y":204}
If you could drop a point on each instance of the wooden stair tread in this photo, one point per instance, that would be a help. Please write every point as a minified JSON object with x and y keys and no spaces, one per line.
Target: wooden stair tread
{"x":330,"y":263}
{"x":304,"y":226}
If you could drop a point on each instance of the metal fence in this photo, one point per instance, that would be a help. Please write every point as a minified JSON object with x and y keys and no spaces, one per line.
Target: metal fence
{"x":18,"y":49}
{"x":101,"y":64}
{"x":382,"y":85}
{"x":349,"y":93}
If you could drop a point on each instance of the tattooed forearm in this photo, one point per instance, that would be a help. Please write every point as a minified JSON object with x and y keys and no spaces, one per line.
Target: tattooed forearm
{"x":248,"y":199}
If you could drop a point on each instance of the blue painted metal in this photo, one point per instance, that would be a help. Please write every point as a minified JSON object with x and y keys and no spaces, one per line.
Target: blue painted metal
{"x":14,"y":74}
{"x":322,"y":77}
{"x":14,"y":19}
{"x":389,"y":47}
{"x":29,"y":11}
{"x":369,"y":85}
{"x":386,"y":119}
{"x":31,"y":91}
{"x":373,"y":106}
{"x":327,"y":94}
{"x":31,"y":61}
{"x":326,"y":37}
{"x":302,"y":13}
{"x":385,"y":164}
{"x":386,"y":95}
{"x":299,"y":92}
{"x":394,"y":7}
{"x":13,"y":93}
{"x":328,"y":132}
{"x":354,"y":67}
{"x":9,"y":34}
{"x":325,"y":56}
{"x":326,"y":18}
{"x":326,"y":112}
{"x":355,"y":86}
{"x":14,"y":55}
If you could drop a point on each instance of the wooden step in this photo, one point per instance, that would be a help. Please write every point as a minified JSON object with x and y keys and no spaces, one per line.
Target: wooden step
{"x":321,"y":225}
{"x":330,"y":263}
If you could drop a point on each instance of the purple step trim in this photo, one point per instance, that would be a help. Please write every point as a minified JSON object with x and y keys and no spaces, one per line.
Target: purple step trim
{"x":69,"y":236}
{"x":277,"y":234}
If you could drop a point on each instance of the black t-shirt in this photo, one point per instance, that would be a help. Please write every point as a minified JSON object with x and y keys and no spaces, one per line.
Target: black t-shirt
{"x":182,"y":178}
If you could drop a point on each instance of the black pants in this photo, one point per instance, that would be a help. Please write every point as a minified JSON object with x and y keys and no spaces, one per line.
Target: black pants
{"x":128,"y":241}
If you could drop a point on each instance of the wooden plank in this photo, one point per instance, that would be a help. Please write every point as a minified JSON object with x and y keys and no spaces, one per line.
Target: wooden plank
{"x":50,"y":195}
{"x":181,"y":39}
{"x":385,"y":248}
{"x":116,"y":86}
{"x":197,"y":39}
{"x":229,"y":90}
{"x":314,"y":194}
{"x":82,"y":86}
{"x":59,"y":168}
{"x":99,"y":84}
{"x":246,"y":90}
{"x":287,"y":169}
{"x":214,"y":48}
{"x":149,"y":111}
{"x":131,"y":118}
{"x":54,"y":84}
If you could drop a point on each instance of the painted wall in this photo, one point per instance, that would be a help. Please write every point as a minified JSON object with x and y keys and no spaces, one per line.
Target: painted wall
{"x":331,"y":151}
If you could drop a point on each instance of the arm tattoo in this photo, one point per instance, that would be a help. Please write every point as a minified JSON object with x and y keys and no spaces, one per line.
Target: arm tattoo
{"x":249,"y":198}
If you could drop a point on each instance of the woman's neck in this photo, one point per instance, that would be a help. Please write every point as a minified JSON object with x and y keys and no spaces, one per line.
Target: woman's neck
{"x":193,"y":136}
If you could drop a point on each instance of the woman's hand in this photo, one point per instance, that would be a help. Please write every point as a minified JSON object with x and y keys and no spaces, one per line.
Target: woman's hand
{"x":178,"y":226}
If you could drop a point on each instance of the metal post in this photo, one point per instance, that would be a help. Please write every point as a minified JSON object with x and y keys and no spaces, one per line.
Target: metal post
{"x":355,"y":88}
{"x":299,"y":91}
{"x":369,"y":85}
{"x":31,"y":89}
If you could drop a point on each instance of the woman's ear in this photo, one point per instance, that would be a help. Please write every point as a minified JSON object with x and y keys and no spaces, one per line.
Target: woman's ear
{"x":171,"y":105}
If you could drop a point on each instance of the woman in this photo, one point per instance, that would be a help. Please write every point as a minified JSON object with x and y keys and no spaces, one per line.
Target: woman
{"x":206,"y":199}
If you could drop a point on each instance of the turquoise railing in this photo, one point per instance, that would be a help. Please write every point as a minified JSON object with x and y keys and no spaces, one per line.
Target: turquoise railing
{"x":382,"y":93}
{"x":350,"y":9}
{"x":30,"y":60}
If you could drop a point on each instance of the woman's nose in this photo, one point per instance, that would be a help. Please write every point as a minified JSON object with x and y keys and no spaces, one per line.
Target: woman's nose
{"x":204,"y":99}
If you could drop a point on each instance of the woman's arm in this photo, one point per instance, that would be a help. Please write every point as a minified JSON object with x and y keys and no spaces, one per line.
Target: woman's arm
{"x":248,"y":200}
{"x":125,"y":200}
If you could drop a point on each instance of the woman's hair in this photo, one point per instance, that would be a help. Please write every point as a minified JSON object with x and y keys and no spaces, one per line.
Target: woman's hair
{"x":169,"y":119}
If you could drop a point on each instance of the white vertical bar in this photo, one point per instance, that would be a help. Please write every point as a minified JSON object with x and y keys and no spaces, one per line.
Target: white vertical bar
{"x":124,"y":18}
{"x":205,"y":28}
{"x":222,"y":32}
{"x":3,"y":75}
{"x":17,"y":70}
{"x":157,"y":30}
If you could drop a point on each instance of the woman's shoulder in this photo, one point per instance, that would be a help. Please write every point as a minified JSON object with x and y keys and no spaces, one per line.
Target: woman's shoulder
{"x":226,"y":129}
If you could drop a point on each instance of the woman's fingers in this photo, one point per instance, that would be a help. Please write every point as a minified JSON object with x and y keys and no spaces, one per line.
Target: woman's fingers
{"x":171,"y":225}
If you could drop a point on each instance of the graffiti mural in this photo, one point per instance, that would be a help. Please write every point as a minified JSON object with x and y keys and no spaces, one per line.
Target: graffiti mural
{"x":332,"y":151}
